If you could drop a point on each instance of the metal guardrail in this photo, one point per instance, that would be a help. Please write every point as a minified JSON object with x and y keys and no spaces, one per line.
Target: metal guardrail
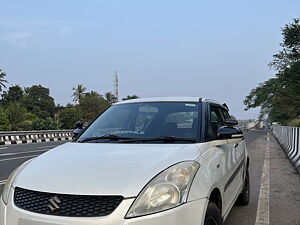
{"x":289,"y":139}
{"x":23,"y":137}
{"x":5,"y":133}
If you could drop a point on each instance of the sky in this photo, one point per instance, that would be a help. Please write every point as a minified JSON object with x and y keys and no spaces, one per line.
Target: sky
{"x":216,"y":49}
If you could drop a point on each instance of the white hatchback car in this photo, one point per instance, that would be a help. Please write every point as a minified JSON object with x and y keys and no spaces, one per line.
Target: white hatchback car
{"x":141,"y":162}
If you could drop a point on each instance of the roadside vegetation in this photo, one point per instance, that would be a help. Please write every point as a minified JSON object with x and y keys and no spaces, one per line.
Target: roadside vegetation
{"x":279,"y":97}
{"x":32,"y":108}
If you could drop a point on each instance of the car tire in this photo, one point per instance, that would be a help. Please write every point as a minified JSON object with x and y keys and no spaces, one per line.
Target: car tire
{"x":213,"y":215}
{"x":244,"y":197}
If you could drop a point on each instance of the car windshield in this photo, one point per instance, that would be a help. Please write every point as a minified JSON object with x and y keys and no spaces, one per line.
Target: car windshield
{"x":156,"y":121}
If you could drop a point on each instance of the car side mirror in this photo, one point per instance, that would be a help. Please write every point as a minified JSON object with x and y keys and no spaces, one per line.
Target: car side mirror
{"x":230,"y":122}
{"x":229,"y":133}
{"x":79,"y":125}
{"x":78,"y":129}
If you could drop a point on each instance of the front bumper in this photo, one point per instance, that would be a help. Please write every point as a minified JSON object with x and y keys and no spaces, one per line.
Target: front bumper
{"x":191,"y":213}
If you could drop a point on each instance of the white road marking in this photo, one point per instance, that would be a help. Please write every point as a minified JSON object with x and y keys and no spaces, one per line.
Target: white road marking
{"x":2,"y":182}
{"x":23,"y":157}
{"x":263,"y":211}
{"x":48,"y":146}
{"x":1,"y":148}
{"x":17,"y":153}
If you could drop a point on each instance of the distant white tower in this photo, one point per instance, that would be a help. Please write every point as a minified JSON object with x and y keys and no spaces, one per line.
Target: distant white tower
{"x":116,"y":85}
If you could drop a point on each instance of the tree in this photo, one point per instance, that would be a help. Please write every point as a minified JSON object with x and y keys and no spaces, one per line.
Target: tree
{"x":45,"y":124}
{"x":15,"y":113}
{"x":110,"y":98}
{"x":69,"y":116}
{"x":4,"y":122}
{"x":91,"y":105}
{"x":13,"y":94}
{"x":78,"y":92}
{"x":2,"y":80}
{"x":38,"y":101}
{"x":279,"y":97}
{"x":290,"y":52}
{"x":128,"y":97}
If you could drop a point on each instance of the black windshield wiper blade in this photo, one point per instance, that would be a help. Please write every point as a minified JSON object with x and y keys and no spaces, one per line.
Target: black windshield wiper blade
{"x":107,"y":136}
{"x":161,"y":138}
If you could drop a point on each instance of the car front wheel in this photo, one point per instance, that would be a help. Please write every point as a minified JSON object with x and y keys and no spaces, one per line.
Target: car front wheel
{"x":213,"y":216}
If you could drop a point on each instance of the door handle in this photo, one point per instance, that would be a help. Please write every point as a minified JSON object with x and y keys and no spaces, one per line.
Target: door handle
{"x":235,"y":145}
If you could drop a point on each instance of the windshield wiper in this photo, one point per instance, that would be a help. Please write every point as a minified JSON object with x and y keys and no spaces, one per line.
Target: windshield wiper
{"x":161,"y":138}
{"x":106,"y":136}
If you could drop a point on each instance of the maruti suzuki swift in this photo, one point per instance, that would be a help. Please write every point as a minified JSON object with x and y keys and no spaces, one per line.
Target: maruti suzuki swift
{"x":177,"y":160}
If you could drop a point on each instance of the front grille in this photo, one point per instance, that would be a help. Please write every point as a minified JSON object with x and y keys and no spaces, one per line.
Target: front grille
{"x":65,"y":205}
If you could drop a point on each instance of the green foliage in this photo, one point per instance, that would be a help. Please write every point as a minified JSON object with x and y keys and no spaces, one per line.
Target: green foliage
{"x":45,"y":124}
{"x":30,"y":116}
{"x":128,"y":97}
{"x":25,"y":125}
{"x":4,"y":122}
{"x":91,"y":104}
{"x":38,"y":101}
{"x":69,"y":116}
{"x":13,"y":94}
{"x":33,"y":107}
{"x":279,"y":97}
{"x":2,"y":80}
{"x":110,"y":97}
{"x":290,"y":52}
{"x":78,"y":92}
{"x":15,"y":113}
{"x":294,"y":123}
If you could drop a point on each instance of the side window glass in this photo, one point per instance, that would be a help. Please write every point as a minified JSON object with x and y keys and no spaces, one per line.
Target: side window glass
{"x":216,"y":121}
{"x":225,"y":114}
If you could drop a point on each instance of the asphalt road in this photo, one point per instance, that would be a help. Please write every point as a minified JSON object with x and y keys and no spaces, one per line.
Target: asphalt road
{"x":283,"y":198}
{"x":11,"y":156}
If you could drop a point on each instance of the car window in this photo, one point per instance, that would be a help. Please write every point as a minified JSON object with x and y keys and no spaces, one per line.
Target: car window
{"x":216,"y":120}
{"x":143,"y":120}
{"x":183,"y":119}
{"x":147,"y":120}
{"x":117,"y":119}
{"x":225,"y":113}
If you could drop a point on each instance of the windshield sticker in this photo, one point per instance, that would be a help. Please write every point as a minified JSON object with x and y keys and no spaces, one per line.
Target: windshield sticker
{"x":190,"y":105}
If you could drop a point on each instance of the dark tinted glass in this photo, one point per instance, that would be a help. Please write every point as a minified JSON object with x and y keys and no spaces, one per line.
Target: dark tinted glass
{"x":216,"y":121}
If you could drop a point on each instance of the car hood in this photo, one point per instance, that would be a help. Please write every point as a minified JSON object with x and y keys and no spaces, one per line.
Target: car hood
{"x":101,"y":168}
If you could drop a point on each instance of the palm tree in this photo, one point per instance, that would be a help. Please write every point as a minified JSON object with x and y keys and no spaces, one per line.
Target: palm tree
{"x":78,"y":92}
{"x":110,"y":97}
{"x":2,"y":81}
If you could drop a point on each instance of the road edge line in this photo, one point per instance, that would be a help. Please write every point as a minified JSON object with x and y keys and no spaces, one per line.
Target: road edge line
{"x":263,"y":207}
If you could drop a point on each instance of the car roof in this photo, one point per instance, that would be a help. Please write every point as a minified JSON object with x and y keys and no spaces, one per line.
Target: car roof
{"x":168,"y":99}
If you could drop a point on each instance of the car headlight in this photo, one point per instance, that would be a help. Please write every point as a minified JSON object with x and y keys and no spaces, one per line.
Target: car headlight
{"x":167,"y":190}
{"x":10,"y":180}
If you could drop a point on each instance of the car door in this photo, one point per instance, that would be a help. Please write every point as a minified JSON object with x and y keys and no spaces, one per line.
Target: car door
{"x":229,"y":158}
{"x":234,"y":165}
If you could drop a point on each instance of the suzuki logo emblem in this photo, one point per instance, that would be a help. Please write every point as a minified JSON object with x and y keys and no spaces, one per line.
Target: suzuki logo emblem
{"x":53,"y":203}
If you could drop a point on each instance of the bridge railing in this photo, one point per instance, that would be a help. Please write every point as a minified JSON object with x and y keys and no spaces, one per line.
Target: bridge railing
{"x":22,"y":137}
{"x":289,"y":139}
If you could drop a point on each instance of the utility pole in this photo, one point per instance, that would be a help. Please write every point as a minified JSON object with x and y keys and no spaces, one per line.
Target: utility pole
{"x":116,"y":85}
